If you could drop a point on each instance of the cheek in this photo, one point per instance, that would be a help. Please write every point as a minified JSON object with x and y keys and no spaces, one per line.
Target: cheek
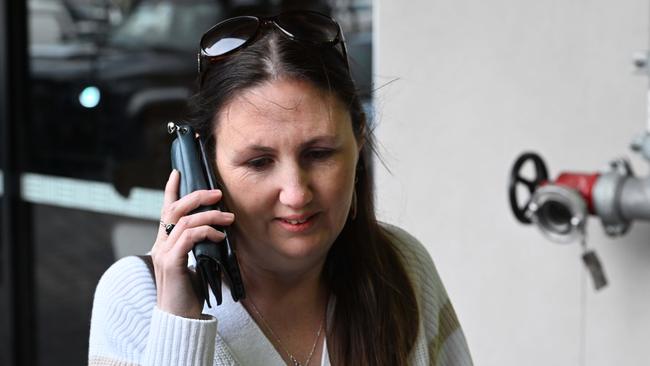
{"x":239,"y":193}
{"x":336,"y":188}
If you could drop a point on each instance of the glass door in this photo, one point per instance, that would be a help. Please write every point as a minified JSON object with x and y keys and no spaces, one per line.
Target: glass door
{"x":89,"y":147}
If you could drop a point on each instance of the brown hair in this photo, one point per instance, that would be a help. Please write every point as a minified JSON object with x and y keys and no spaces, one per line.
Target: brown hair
{"x":375,"y":320}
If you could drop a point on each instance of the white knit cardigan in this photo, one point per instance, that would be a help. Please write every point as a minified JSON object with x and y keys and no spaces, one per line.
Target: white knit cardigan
{"x":128,"y":329}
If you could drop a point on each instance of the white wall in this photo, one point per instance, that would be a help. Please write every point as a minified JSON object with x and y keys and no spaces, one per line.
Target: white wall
{"x":478,"y":82}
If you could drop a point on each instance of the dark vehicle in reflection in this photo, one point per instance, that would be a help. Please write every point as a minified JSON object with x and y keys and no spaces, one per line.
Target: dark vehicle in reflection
{"x":100,"y":107}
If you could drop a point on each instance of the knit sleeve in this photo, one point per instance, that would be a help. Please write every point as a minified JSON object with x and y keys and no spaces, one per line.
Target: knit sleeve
{"x":444,"y":341}
{"x":128,"y":329}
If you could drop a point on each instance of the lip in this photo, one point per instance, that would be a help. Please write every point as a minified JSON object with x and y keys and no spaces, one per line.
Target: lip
{"x":302,"y":227}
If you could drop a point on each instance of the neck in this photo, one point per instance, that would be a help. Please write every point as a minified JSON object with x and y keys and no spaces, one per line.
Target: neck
{"x":288,"y":306}
{"x":297,"y":289}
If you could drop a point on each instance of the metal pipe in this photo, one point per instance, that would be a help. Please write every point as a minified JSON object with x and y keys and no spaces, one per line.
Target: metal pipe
{"x":634,"y":198}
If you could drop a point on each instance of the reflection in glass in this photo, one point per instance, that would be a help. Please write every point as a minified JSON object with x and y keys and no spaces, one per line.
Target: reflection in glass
{"x":106,"y":76}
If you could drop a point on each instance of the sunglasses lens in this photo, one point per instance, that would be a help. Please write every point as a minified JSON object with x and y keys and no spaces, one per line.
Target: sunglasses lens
{"x":228,"y":35}
{"x":309,"y":26}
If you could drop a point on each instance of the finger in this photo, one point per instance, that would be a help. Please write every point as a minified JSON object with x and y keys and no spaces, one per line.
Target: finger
{"x":182,"y":207}
{"x":171,"y":188}
{"x":169,"y":196}
{"x":192,"y":236}
{"x":212,"y":217}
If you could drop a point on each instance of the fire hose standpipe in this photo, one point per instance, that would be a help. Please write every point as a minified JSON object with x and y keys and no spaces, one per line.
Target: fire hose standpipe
{"x":560,"y":208}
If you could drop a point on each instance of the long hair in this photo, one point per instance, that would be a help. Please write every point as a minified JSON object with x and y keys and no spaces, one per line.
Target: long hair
{"x":375,"y":320}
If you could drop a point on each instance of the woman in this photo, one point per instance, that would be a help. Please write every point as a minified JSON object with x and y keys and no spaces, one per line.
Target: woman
{"x":325,"y":283}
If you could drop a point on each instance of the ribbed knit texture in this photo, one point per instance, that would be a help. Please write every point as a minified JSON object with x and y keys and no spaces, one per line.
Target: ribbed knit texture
{"x":121,"y":317}
{"x":179,"y":341}
{"x":443,"y":342}
{"x":127,"y":329}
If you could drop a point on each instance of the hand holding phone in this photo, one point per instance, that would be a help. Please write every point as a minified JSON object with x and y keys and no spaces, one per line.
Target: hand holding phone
{"x":213,"y":260}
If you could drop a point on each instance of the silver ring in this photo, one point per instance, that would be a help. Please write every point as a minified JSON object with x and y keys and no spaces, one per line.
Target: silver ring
{"x":168,"y":227}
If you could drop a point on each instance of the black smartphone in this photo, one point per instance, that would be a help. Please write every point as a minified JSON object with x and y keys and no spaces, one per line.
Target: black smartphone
{"x":213,"y":260}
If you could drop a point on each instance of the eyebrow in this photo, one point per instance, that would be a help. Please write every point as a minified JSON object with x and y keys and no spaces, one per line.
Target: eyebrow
{"x":328,"y":139}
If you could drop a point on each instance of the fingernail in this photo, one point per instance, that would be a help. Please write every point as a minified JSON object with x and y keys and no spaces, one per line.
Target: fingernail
{"x":174,"y":171}
{"x":229,"y":215}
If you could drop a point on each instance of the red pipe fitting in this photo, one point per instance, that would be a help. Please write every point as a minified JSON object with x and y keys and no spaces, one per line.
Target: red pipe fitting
{"x":583,"y":183}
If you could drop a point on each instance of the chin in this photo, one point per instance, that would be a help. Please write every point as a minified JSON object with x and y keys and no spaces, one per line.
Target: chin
{"x":298,"y":249}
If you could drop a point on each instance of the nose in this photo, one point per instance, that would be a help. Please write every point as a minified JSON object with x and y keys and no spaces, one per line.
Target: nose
{"x":295,"y":189}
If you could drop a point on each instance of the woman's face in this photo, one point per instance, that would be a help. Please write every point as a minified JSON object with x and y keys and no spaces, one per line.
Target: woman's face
{"x":286,"y":154}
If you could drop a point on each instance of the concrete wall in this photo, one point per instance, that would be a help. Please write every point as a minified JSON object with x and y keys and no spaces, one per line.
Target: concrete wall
{"x":468,"y":85}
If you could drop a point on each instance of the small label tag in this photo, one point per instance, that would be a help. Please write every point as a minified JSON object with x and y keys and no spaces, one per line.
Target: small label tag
{"x":595,"y":269}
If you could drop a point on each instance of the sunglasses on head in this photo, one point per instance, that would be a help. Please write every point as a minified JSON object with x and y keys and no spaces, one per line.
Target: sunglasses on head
{"x":234,"y":34}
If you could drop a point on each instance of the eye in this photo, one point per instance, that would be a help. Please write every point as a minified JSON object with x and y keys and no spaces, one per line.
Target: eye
{"x":259,"y":163}
{"x":319,"y":154}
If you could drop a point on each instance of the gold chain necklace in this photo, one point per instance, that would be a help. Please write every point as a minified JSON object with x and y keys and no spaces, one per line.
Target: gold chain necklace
{"x":292,"y":358}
